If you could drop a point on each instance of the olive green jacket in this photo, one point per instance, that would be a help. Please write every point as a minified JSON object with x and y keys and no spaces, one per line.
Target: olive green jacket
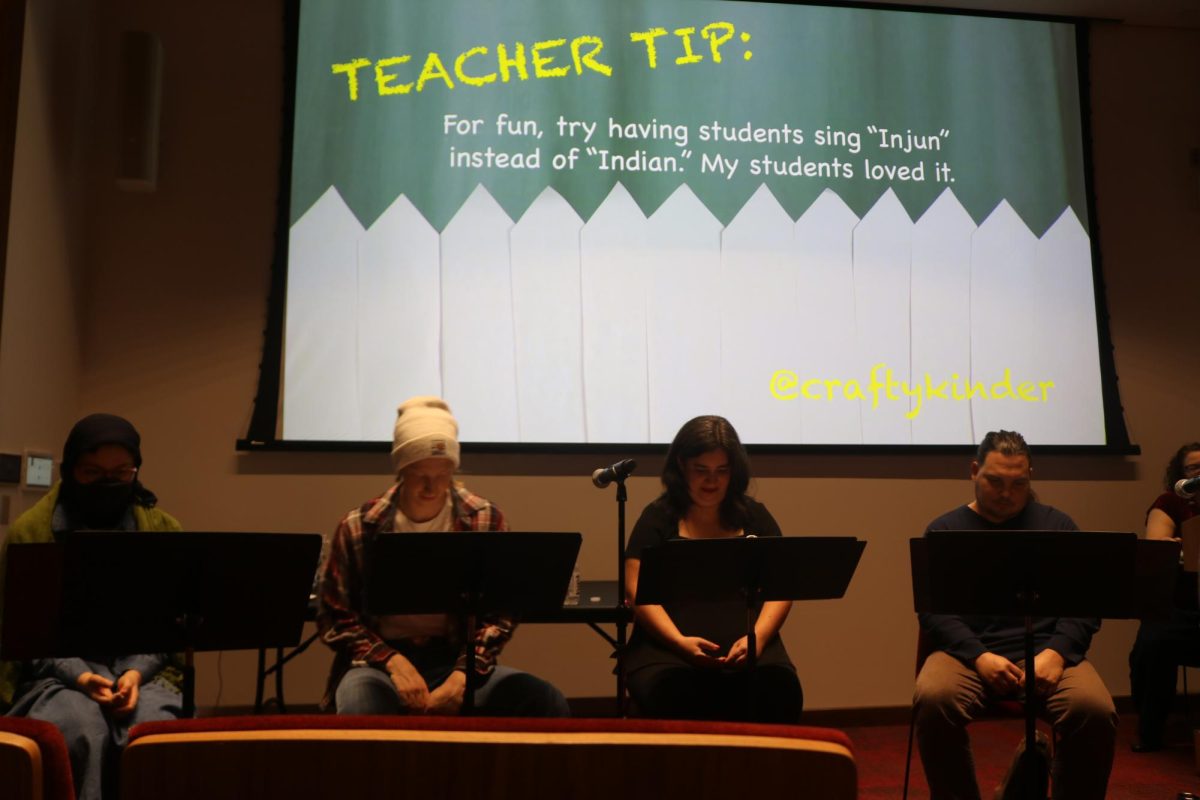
{"x":34,"y":526}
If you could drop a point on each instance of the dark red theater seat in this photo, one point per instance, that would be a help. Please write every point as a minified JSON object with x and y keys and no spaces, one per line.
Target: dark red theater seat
{"x":34,"y":764}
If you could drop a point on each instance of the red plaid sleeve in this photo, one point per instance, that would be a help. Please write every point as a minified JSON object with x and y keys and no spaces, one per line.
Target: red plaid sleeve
{"x":343,"y":626}
{"x":493,"y":630}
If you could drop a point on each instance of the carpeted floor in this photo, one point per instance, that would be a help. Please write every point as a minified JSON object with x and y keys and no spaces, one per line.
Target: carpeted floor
{"x":879,"y":752}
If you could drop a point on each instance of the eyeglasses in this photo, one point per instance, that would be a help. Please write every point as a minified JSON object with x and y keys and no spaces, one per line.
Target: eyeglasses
{"x":90,"y":474}
{"x":1191,"y":469}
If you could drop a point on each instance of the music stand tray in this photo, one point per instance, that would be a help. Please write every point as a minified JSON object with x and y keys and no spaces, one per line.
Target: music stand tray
{"x":469,"y":574}
{"x":752,"y":570}
{"x":1156,"y":575}
{"x":1065,"y":573}
{"x":1189,"y":531}
{"x":116,"y":593}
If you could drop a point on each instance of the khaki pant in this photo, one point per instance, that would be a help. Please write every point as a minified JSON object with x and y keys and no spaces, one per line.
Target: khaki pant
{"x":949,"y":695}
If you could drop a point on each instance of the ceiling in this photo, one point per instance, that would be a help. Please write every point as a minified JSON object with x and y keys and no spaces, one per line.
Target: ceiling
{"x":1168,"y":13}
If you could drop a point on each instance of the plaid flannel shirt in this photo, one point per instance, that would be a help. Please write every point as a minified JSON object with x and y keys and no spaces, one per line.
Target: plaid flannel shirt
{"x":344,"y":623}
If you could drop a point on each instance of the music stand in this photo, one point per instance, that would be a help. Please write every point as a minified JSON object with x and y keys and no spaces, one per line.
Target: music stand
{"x":750,"y":570}
{"x":1156,"y":573}
{"x":1189,"y":531}
{"x":190,"y":591}
{"x":469,"y":574}
{"x":1030,"y":574}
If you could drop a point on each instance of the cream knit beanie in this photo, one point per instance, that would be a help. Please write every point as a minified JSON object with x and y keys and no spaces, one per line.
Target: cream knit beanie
{"x":425,"y":428}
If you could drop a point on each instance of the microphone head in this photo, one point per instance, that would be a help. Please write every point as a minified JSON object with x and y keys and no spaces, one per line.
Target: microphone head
{"x":599,"y":479}
{"x":1187,"y":487}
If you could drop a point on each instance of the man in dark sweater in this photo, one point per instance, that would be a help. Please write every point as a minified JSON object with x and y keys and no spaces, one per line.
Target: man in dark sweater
{"x":980,"y":659}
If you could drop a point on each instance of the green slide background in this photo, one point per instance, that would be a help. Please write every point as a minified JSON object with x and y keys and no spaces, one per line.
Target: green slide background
{"x":1006,"y":89}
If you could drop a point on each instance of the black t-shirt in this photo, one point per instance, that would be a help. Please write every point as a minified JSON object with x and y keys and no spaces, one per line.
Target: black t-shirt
{"x":968,"y":637}
{"x":719,"y":622}
{"x":658,"y":524}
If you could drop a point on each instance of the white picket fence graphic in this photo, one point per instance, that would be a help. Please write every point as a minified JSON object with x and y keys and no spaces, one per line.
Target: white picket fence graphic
{"x":618,"y":329}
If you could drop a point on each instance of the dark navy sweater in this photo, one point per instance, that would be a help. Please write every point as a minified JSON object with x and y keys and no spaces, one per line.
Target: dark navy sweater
{"x":968,"y":637}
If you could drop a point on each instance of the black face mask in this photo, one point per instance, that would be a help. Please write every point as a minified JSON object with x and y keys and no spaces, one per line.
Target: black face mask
{"x":101,"y":504}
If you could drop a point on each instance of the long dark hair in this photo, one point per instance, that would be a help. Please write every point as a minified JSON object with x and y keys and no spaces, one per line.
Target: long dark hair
{"x":1174,"y":471}
{"x":697,"y":437}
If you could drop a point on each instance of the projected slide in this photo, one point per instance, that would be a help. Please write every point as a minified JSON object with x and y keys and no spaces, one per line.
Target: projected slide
{"x":587,"y":221}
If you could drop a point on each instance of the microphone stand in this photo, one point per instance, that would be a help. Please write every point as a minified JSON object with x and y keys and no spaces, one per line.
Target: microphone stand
{"x":617,"y":473}
{"x":622,"y":496}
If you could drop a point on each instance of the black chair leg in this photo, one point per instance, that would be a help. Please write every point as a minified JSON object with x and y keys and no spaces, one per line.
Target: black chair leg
{"x":1187,"y":703}
{"x":912,"y":726}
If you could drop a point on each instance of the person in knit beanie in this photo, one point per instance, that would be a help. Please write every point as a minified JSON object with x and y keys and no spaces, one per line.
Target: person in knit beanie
{"x":416,"y":663}
{"x":425,"y":428}
{"x":425,"y":455}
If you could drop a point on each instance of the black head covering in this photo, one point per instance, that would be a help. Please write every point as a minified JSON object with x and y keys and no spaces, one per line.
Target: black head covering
{"x":94,"y":431}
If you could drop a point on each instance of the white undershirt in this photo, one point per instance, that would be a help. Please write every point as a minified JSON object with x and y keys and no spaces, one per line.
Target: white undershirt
{"x":418,"y":626}
{"x":440,"y":522}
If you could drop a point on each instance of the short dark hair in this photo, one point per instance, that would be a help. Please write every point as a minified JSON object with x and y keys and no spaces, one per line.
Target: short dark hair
{"x":1006,"y":443}
{"x":1174,"y":471}
{"x":697,"y":437}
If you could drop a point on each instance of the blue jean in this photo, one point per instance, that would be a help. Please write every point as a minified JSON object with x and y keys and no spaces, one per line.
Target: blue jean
{"x":94,"y":739}
{"x":507,"y":692}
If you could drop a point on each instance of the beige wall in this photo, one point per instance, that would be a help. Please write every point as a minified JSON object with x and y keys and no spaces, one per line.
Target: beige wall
{"x":176,"y":299}
{"x":39,"y":345}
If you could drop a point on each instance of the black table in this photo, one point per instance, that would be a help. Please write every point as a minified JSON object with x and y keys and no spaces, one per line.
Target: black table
{"x":597,"y":606}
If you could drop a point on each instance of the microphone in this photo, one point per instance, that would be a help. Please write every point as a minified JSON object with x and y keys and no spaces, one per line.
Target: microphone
{"x":617,"y":472}
{"x":1185,"y":488}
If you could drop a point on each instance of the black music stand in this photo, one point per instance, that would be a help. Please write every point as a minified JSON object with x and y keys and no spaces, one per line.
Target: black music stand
{"x":106,"y":594}
{"x":750,"y":570}
{"x":1156,"y":578}
{"x":1028,"y":574}
{"x":469,"y":574}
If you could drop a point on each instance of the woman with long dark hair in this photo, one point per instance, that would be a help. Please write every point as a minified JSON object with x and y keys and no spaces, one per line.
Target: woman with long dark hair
{"x":688,"y":661}
{"x":1162,"y":645}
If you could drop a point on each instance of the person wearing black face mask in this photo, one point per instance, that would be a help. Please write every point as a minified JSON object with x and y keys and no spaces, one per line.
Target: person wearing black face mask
{"x":100,"y":489}
{"x":93,"y":701}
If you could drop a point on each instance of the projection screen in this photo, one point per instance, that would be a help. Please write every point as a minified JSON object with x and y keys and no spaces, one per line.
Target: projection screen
{"x":583,"y":222}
